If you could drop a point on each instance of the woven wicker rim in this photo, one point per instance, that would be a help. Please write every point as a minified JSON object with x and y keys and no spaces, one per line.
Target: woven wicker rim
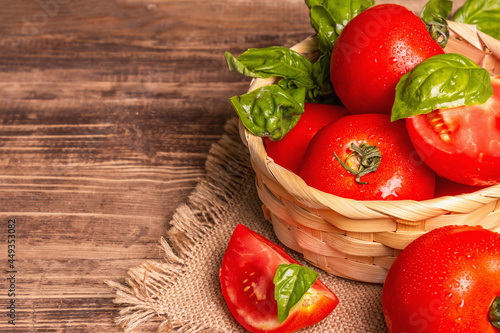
{"x":465,"y":39}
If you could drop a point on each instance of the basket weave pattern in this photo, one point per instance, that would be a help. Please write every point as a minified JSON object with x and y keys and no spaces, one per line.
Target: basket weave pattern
{"x":359,"y":240}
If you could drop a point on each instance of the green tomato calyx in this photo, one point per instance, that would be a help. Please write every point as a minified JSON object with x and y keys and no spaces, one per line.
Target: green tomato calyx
{"x":494,"y":312}
{"x":363,"y":160}
{"x":438,"y":30}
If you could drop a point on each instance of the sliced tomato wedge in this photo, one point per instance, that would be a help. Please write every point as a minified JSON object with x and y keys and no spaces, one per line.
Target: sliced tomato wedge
{"x":461,"y":144}
{"x":246,"y":277}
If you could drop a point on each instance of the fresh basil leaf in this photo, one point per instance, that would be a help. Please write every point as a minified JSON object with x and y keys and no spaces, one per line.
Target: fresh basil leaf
{"x":236,"y":66}
{"x":442,"y":81}
{"x":291,"y":283}
{"x":342,"y":11}
{"x":483,"y":13}
{"x":273,"y":61}
{"x":324,"y":25}
{"x":321,"y":75}
{"x":287,"y":84}
{"x":270,"y":111}
{"x":434,"y":9}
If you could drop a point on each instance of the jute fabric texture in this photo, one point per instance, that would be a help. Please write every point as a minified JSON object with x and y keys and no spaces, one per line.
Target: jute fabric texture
{"x":183,"y":289}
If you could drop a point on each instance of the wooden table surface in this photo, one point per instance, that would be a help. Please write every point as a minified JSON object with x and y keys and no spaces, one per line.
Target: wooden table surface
{"x":107,"y":112}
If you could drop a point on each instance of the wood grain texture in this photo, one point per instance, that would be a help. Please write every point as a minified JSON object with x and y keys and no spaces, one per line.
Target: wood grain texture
{"x":107,"y":112}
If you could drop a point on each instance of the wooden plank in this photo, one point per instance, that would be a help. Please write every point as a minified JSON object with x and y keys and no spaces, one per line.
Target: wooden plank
{"x":107,"y":114}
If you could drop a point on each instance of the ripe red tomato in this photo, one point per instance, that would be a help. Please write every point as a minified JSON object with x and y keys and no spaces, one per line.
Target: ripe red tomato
{"x":246,"y":276}
{"x":461,"y":144}
{"x":373,"y":51}
{"x":289,"y":151}
{"x":445,"y":281}
{"x":447,"y":187}
{"x":401,"y":174}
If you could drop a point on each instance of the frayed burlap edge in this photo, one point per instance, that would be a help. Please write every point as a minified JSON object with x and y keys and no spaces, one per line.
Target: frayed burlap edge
{"x":190,"y":222}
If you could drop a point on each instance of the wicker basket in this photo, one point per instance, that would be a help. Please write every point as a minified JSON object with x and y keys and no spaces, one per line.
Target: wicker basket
{"x":359,"y":240}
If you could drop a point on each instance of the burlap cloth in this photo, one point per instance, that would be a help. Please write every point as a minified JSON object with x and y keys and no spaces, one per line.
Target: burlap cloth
{"x":184,"y":289}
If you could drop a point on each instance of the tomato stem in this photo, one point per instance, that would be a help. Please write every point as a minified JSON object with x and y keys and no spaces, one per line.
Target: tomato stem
{"x":363,"y":160}
{"x":438,"y":30}
{"x":494,"y":313}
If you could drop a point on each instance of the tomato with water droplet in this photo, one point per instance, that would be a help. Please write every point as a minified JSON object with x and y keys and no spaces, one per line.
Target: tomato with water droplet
{"x":373,"y":51}
{"x":367,"y":157}
{"x":447,"y":280}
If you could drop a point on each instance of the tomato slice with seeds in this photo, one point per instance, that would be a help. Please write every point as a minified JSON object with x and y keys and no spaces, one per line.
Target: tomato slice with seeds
{"x":246,"y":277}
{"x":461,"y":144}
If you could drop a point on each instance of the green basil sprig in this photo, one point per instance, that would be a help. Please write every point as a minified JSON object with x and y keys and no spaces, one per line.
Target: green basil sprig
{"x":442,"y":81}
{"x":324,"y":24}
{"x":291,"y":282}
{"x":270,"y":111}
{"x":273,"y":61}
{"x":273,"y":112}
{"x":483,"y":13}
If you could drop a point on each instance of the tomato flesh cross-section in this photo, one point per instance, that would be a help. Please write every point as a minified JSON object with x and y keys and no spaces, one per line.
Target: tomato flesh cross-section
{"x":246,"y":277}
{"x":461,"y":144}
